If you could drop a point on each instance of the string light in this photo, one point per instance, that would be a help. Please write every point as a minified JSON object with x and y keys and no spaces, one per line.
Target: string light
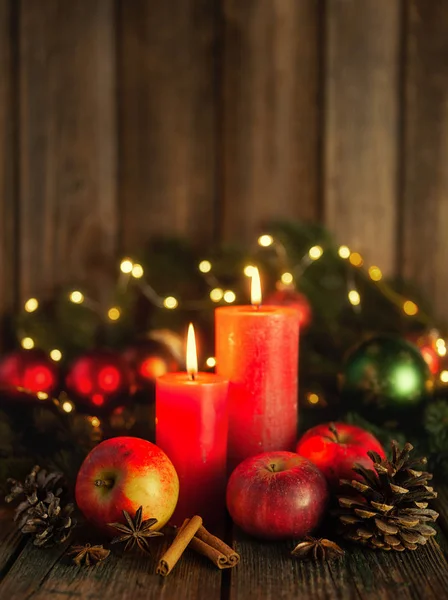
{"x":170,"y":302}
{"x":216,"y":294}
{"x":312,"y":398}
{"x":211,"y":361}
{"x":444,"y":376}
{"x":375,"y":273}
{"x":77,"y":297}
{"x":42,"y":395}
{"x":56,"y":355}
{"x":344,"y":251}
{"x":67,"y":406}
{"x":410,"y":308}
{"x":95,"y":422}
{"x":205,"y":266}
{"x":137,"y":271}
{"x":287,"y":278}
{"x":31,"y":305}
{"x":27,"y":343}
{"x":229,"y":296}
{"x":356,"y":259}
{"x":114,"y":313}
{"x":126,"y":266}
{"x":441,"y":347}
{"x":354,"y":297}
{"x":265,"y":240}
{"x":315,"y":252}
{"x":248,"y":270}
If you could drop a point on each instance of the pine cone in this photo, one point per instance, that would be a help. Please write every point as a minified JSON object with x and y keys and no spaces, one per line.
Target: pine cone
{"x":390,"y":508}
{"x":48,"y":522}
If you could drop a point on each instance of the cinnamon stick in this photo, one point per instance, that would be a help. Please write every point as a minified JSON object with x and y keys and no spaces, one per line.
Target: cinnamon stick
{"x":183,"y":538}
{"x":222,"y":555}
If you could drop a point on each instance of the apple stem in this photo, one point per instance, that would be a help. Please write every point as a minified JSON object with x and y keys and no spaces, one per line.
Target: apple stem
{"x":104,"y":483}
{"x":334,"y":431}
{"x":272,"y":468}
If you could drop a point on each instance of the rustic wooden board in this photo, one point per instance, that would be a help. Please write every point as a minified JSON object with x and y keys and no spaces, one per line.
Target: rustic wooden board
{"x":40,"y":574}
{"x":68,"y":216}
{"x":7,"y":159}
{"x":362,"y":126}
{"x":11,"y":542}
{"x":167,"y":100}
{"x":268,"y":572}
{"x":425,"y":205}
{"x":270,"y":113}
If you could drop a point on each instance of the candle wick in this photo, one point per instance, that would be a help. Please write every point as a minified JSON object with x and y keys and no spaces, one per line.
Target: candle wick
{"x":192,"y":376}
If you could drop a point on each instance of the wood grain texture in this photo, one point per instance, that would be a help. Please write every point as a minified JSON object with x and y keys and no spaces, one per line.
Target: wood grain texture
{"x":11,"y":542}
{"x":7,"y":157}
{"x":41,"y":575}
{"x":425,"y":202}
{"x":270,"y":113}
{"x":361,"y":126}
{"x":68,"y":215}
{"x":268,"y":572}
{"x":167,"y":119}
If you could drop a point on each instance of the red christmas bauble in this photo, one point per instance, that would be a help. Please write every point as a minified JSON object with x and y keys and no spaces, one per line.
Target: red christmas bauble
{"x":99,"y":380}
{"x":288,"y":296}
{"x":426,"y":343}
{"x":155,"y":355}
{"x":31,"y":370}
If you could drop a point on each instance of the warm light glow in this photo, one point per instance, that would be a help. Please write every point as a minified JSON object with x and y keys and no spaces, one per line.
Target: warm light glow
{"x":205,"y":266}
{"x":255,"y":288}
{"x":170,"y":302}
{"x":27,"y":343}
{"x":126,"y":266}
{"x":313,"y":398}
{"x":114,"y":313}
{"x":265,"y":240}
{"x":444,"y":376}
{"x":42,"y":395}
{"x":77,"y":297}
{"x":344,"y":251}
{"x":67,"y":406}
{"x":248,"y":270}
{"x":229,"y":296}
{"x":375,"y":273}
{"x":137,"y":271}
{"x":441,"y":347}
{"x":356,"y":259}
{"x":216,"y":294}
{"x":354,"y":297}
{"x":211,"y":362}
{"x":315,"y":252}
{"x":410,"y":308}
{"x":192,"y":356}
{"x":56,"y":355}
{"x":31,"y":305}
{"x":287,"y":278}
{"x":95,"y":422}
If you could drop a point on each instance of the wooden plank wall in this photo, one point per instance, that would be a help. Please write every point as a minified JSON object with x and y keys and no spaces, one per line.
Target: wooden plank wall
{"x":204,"y":118}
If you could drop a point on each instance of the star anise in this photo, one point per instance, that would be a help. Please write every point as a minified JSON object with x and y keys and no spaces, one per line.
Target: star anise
{"x":317,"y":549}
{"x":136,"y":531}
{"x":89,"y":555}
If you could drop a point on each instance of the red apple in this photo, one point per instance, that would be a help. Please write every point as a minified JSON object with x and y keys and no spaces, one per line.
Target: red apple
{"x":277,"y":495}
{"x":124,"y":473}
{"x":335,"y":447}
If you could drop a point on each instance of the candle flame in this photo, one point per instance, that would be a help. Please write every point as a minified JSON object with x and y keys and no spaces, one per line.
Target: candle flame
{"x":192,"y":356}
{"x":255,"y":291}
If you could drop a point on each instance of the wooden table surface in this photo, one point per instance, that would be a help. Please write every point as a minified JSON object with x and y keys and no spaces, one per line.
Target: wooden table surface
{"x":266,"y":571}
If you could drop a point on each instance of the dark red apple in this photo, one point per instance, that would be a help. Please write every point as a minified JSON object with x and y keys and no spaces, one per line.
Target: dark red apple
{"x":124,"y":473}
{"x":277,"y":495}
{"x":335,"y":447}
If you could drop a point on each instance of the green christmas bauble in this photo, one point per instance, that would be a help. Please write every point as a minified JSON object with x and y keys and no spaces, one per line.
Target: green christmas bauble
{"x":385,"y":374}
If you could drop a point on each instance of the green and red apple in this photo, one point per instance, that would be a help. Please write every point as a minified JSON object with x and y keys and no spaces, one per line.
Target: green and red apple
{"x":124,"y":473}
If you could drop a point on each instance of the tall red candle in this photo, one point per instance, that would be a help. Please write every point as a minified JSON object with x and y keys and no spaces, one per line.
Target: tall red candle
{"x":257,"y":351}
{"x":191,"y":428}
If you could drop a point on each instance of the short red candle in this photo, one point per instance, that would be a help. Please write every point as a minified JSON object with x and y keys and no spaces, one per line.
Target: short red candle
{"x":191,"y":428}
{"x":257,"y":351}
